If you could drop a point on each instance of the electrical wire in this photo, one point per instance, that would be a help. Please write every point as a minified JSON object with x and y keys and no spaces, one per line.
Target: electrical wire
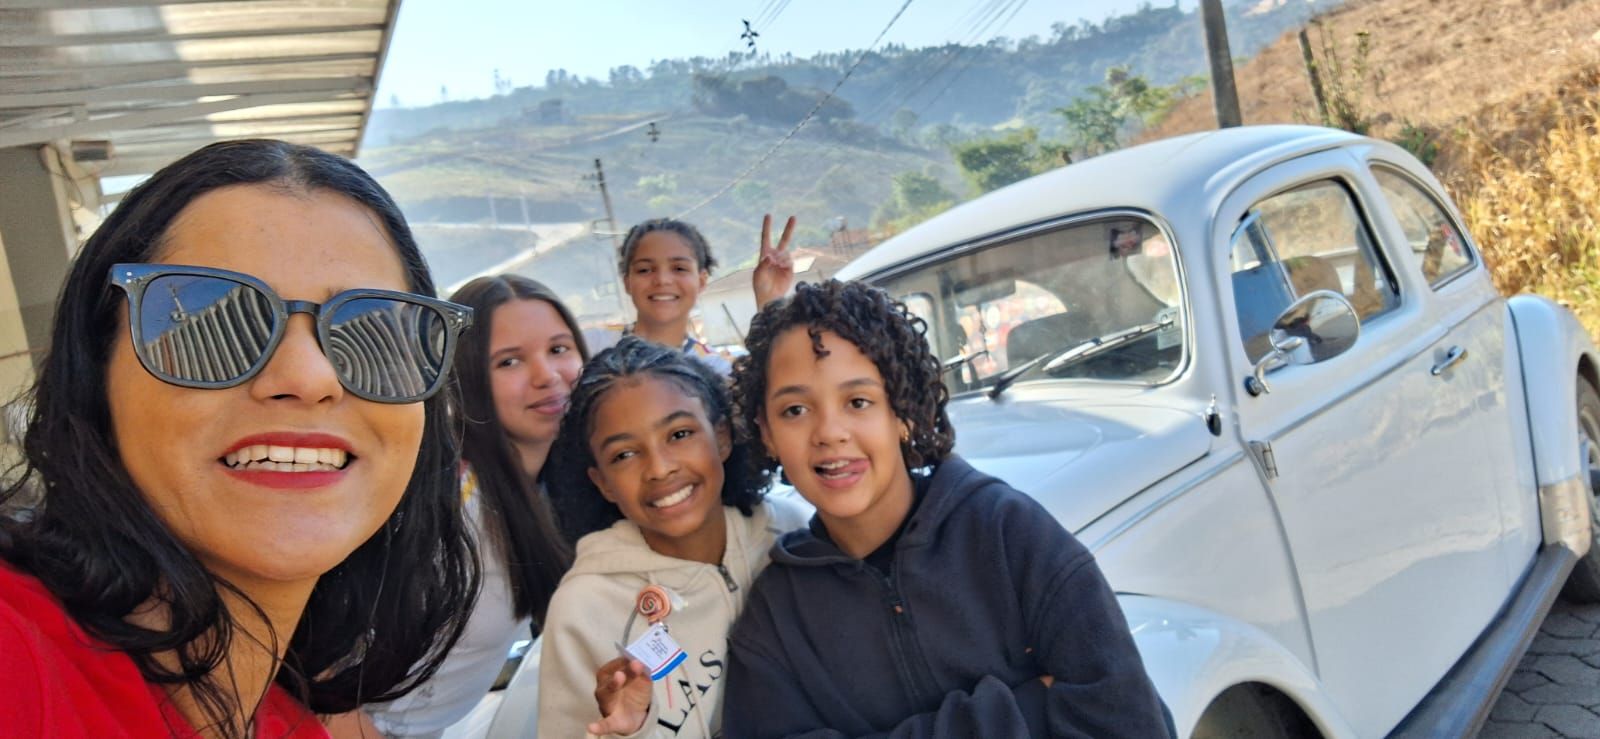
{"x":947,"y":85}
{"x":804,"y":120}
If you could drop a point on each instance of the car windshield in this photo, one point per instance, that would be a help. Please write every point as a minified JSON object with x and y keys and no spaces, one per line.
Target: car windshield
{"x":1045,"y":294}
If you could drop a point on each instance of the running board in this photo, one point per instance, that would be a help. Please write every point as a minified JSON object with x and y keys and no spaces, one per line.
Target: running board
{"x":1460,"y":703}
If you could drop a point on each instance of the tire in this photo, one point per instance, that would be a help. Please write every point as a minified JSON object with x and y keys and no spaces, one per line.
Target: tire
{"x":1252,"y":711}
{"x":1583,"y":585}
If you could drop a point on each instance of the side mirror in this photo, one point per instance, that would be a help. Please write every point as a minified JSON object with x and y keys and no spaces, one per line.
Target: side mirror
{"x":1319,"y":326}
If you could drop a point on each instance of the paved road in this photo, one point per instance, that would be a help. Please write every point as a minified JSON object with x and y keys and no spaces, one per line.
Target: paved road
{"x":1556,"y":689}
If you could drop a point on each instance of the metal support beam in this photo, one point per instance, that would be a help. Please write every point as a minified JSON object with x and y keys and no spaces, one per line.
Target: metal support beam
{"x":90,"y":4}
{"x":325,"y":85}
{"x":37,"y":115}
{"x":58,"y":77}
{"x":16,"y":38}
{"x":262,"y":127}
{"x":136,"y":149}
{"x":121,"y":166}
{"x":25,"y":136}
{"x":1224,"y":95}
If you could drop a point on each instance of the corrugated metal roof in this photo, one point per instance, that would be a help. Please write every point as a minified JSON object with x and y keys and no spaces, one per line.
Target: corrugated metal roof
{"x":160,"y":78}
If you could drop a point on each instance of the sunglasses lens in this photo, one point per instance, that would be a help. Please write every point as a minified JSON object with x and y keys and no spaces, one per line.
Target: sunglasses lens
{"x":204,"y":329}
{"x":387,"y":348}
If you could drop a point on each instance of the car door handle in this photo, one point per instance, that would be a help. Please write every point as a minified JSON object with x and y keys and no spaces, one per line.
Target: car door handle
{"x":1451,"y":359}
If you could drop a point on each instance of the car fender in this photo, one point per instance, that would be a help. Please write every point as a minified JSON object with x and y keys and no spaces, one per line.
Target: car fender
{"x":1192,"y":654}
{"x":1552,"y":346}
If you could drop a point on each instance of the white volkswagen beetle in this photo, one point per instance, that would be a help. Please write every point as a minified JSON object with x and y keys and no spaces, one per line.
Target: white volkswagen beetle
{"x":1335,"y":477}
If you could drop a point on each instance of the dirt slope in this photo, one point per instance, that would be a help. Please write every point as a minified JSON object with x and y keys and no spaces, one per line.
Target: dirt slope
{"x":1434,"y":61}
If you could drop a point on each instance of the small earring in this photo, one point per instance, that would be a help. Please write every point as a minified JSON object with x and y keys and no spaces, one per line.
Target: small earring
{"x":905,"y":434}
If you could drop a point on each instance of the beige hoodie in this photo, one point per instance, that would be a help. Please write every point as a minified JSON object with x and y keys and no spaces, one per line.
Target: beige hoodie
{"x":590,"y":610}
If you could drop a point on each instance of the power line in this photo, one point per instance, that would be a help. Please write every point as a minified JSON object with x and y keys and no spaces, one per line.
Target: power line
{"x":776,"y":8}
{"x":968,"y":65}
{"x":984,"y":18}
{"x":803,"y":121}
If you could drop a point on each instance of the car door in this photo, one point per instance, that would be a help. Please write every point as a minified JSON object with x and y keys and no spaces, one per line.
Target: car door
{"x":1365,"y":454}
{"x":1463,"y":301}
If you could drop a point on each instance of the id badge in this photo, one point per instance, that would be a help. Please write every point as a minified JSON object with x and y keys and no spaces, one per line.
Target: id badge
{"x":658,"y":651}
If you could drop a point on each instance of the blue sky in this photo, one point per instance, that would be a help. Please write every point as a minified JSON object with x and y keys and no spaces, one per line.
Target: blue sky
{"x":460,"y":43}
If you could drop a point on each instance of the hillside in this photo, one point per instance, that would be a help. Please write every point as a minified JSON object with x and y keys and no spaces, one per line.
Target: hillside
{"x":1504,"y":98}
{"x":468,"y":172}
{"x":1006,"y":80}
{"x":1432,"y":62}
{"x":513,"y":174}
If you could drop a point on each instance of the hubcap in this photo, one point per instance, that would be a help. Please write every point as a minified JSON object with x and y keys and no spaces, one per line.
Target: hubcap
{"x":1589,"y":426}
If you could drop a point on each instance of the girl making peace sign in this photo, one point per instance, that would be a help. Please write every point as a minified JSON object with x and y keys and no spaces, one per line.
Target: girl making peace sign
{"x":665,"y":264}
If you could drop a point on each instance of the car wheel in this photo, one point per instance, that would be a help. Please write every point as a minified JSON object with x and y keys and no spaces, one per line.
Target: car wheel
{"x":1252,"y":711}
{"x":1583,"y":586}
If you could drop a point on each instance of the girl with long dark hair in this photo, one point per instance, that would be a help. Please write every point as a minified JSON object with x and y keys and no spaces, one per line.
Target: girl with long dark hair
{"x":248,"y":510}
{"x":515,"y":369}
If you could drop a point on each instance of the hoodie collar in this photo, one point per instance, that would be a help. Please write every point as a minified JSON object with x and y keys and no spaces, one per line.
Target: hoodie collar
{"x":950,"y":482}
{"x":622,"y":548}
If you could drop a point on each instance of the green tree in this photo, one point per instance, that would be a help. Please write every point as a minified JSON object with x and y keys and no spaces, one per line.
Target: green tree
{"x":989,"y":164}
{"x":942,"y":136}
{"x":915,"y":197}
{"x":1096,"y":122}
{"x":903,"y":123}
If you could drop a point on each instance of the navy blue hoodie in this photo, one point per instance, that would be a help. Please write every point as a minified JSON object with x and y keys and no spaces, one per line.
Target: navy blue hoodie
{"x":987,"y":593}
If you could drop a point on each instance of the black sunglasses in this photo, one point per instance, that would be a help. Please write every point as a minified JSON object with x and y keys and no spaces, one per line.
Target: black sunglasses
{"x":210,"y":328}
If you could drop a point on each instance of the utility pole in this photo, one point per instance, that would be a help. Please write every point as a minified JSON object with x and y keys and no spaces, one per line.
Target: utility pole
{"x":616,"y":236}
{"x":600,"y":176}
{"x":1224,"y":95}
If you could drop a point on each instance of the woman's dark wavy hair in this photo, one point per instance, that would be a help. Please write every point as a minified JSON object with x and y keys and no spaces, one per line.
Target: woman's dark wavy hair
{"x":581,"y":509}
{"x":884,"y":330}
{"x":690,"y":234}
{"x":521,"y":525}
{"x":377,"y":624}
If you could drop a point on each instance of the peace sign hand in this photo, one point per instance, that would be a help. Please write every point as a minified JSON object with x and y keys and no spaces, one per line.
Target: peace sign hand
{"x":774,"y":274}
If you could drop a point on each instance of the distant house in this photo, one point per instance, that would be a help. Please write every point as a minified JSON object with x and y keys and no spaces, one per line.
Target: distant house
{"x":728,"y":303}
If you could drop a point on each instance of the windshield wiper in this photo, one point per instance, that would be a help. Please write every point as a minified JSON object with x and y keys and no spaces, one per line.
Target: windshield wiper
{"x":1079,"y":352}
{"x":961,"y":359}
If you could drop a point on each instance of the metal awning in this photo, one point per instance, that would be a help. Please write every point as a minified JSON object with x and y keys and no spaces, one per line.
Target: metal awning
{"x":160,"y":78}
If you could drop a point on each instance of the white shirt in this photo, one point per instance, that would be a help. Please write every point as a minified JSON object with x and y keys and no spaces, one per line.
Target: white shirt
{"x":477,"y":658}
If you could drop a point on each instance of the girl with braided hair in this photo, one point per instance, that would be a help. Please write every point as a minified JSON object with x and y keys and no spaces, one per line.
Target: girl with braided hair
{"x":671,"y":527}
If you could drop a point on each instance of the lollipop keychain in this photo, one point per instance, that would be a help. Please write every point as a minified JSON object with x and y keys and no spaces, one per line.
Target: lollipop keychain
{"x":655,"y":647}
{"x":654,"y":603}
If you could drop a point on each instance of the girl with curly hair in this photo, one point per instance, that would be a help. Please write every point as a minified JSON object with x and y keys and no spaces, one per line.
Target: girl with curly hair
{"x":926,"y":598}
{"x":664,"y":504}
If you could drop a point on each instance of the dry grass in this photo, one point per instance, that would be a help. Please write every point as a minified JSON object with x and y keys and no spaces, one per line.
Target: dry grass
{"x":1509,"y":90}
{"x":1439,"y":60}
{"x":1527,"y":179}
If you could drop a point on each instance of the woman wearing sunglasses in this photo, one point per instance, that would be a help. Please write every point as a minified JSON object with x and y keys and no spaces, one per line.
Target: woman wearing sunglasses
{"x":247,"y":502}
{"x":515,"y":369}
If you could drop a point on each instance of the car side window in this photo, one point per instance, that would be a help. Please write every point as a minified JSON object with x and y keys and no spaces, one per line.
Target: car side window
{"x":1437,"y":242}
{"x":1296,"y":242}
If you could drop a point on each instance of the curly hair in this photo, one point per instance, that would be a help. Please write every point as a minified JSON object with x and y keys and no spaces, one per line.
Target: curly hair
{"x":878,"y":325}
{"x":689,"y":234}
{"x":580,"y":508}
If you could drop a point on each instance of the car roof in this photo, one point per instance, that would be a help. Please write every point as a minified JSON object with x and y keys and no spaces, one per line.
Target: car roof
{"x":1159,"y":177}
